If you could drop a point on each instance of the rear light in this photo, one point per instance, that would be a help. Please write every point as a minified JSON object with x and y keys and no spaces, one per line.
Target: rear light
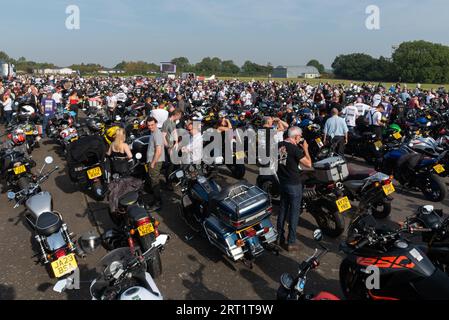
{"x":266,"y":230}
{"x":270,"y":210}
{"x":60,"y":253}
{"x":236,"y":223}
{"x":143,"y":221}
{"x":387,"y":181}
{"x":240,"y":243}
{"x":250,"y":232}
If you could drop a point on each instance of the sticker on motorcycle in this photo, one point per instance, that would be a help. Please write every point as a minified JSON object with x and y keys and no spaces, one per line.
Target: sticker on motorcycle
{"x":388,"y":189}
{"x":94,"y":173}
{"x":439,"y":168}
{"x":343,"y":204}
{"x":64,"y":265}
{"x":145,"y":229}
{"x":19,"y":170}
{"x":319,"y":142}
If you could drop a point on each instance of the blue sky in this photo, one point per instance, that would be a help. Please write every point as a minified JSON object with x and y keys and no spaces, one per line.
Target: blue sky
{"x":288,"y":32}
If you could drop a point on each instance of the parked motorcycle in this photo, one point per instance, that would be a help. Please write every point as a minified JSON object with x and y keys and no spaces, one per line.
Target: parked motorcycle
{"x":293,"y":287}
{"x":56,"y":247}
{"x":15,"y":167}
{"x":405,"y":271}
{"x":236,"y":219}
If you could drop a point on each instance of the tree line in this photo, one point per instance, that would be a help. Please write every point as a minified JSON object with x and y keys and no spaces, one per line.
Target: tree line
{"x":414,"y":61}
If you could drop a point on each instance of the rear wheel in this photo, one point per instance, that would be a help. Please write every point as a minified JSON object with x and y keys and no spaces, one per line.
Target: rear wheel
{"x":434,"y":188}
{"x":238,"y":171}
{"x":330,"y":220}
{"x":270,"y":189}
{"x":23,"y":183}
{"x":154,"y":262}
{"x":381,"y":210}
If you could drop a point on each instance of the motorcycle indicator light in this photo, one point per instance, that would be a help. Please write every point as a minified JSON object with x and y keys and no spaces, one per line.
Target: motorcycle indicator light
{"x":377,"y":184}
{"x":240,"y":243}
{"x":132,"y":232}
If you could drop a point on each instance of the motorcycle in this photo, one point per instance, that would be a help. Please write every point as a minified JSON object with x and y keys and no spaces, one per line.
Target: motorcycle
{"x":293,"y":288}
{"x":236,"y":219}
{"x":136,"y":227}
{"x":56,"y":247}
{"x":415,"y":170}
{"x":15,"y":169}
{"x":123,"y":276}
{"x":405,"y":271}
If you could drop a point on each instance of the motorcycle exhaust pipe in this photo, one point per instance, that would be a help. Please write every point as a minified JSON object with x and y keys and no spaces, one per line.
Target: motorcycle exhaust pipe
{"x":39,"y":241}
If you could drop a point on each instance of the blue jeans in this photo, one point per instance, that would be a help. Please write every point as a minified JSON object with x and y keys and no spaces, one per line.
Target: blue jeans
{"x":8,"y":116}
{"x":291,"y":197}
{"x":44,"y":125}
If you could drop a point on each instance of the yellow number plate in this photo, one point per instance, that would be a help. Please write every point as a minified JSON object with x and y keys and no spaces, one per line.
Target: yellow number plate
{"x":64,"y":265}
{"x":73,"y":139}
{"x":20,"y":169}
{"x":343,"y":204}
{"x":397,"y":136}
{"x":207,"y":119}
{"x":439,"y":168}
{"x":94,"y":173}
{"x":378,"y":144}
{"x":145,"y":229}
{"x":240,"y":155}
{"x":29,"y":133}
{"x":388,"y":189}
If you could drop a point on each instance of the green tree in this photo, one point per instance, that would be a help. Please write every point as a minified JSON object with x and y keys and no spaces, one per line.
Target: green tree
{"x":315,"y":63}
{"x":421,"y":61}
{"x":354,"y":66}
{"x":182,"y":64}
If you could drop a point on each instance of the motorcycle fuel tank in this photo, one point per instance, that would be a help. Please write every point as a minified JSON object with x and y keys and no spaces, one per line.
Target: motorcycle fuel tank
{"x":40,"y":203}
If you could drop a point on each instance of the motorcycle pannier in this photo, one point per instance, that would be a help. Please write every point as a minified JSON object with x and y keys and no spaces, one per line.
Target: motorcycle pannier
{"x":242,"y":205}
{"x":332,"y":169}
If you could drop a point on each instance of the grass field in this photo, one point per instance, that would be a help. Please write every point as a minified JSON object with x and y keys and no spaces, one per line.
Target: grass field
{"x":338,"y":81}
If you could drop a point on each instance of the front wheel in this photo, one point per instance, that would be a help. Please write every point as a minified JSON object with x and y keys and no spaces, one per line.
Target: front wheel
{"x":330,"y":220}
{"x":154,"y":262}
{"x":434,"y":188}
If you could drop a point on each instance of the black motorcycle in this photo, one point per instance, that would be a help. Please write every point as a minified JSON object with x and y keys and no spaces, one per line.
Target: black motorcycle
{"x":381,"y":265}
{"x":15,"y":169}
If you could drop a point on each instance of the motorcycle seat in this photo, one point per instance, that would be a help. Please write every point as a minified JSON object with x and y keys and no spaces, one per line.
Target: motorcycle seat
{"x":48,"y":223}
{"x":136,"y":213}
{"x":129,"y":199}
{"x":354,"y":185}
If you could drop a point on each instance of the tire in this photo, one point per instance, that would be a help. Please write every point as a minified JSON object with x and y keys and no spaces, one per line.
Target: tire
{"x":268,"y":187}
{"x":329,"y":220}
{"x":154,"y":262}
{"x":350,"y":282}
{"x":435,"y":189}
{"x":238,"y":171}
{"x":384,"y":211}
{"x":23,"y":183}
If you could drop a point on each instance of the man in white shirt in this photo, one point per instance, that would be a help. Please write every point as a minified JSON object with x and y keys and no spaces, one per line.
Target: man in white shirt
{"x":111,"y":102}
{"x":374,"y":117}
{"x":362,"y":108}
{"x":57,"y":96}
{"x":351,"y":114}
{"x":160,"y":114}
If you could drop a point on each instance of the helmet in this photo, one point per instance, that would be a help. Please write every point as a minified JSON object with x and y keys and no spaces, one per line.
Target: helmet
{"x":222,"y":114}
{"x":110,"y":133}
{"x":305,"y":123}
{"x":395,"y":127}
{"x":422,"y":121}
{"x":93,"y":125}
{"x":18,"y":138}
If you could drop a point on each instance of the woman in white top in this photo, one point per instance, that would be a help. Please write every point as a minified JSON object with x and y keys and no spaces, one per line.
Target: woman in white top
{"x":7,"y":107}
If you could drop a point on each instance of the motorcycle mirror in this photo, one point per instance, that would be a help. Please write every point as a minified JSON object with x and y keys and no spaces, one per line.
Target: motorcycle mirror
{"x":11,"y":195}
{"x":49,"y":160}
{"x":179,"y":174}
{"x":318,"y":235}
{"x":138,"y":156}
{"x":219,"y":160}
{"x":287,"y":281}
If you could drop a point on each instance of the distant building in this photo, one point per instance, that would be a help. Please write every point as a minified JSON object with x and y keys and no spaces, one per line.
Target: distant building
{"x":62,"y":71}
{"x":305,"y":72}
{"x":111,"y":71}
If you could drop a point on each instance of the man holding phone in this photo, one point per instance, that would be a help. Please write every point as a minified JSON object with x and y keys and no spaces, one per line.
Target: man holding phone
{"x":293,"y":156}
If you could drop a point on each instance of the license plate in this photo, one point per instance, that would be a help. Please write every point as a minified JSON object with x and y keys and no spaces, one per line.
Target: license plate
{"x":145,"y":229}
{"x":19,"y":170}
{"x":94,"y":173}
{"x":29,"y":133}
{"x":439,"y":168}
{"x":64,"y":265}
{"x":240,"y":155}
{"x":343,"y":204}
{"x":397,"y":136}
{"x":378,"y":144}
{"x":388,"y":189}
{"x":73,"y":139}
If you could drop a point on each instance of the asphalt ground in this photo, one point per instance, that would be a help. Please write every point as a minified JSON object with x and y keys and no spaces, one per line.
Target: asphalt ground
{"x":192,"y":268}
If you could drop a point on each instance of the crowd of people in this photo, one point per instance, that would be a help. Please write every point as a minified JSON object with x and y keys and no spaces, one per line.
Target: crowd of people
{"x":171,"y":103}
